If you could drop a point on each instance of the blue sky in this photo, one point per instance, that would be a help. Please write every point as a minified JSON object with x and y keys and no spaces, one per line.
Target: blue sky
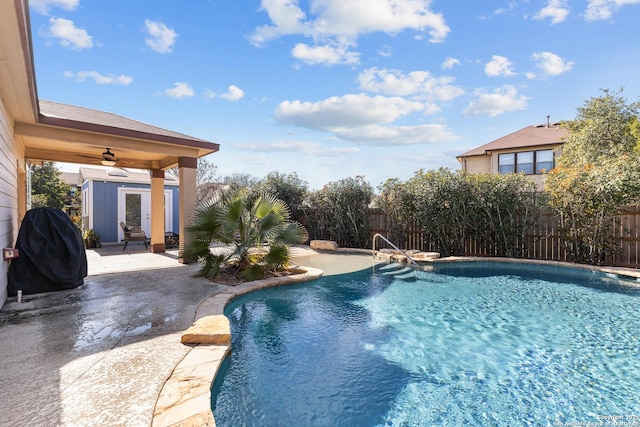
{"x":332,"y":89}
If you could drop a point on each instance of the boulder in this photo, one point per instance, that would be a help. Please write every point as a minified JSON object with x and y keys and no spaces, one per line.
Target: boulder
{"x":324,"y":245}
{"x":208,"y":330}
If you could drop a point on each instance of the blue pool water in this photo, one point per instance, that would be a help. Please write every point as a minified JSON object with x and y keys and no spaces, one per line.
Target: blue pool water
{"x":471,"y":344}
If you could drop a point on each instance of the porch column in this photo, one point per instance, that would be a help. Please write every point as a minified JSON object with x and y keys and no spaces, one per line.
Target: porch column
{"x":157,"y":211}
{"x":188,"y":199}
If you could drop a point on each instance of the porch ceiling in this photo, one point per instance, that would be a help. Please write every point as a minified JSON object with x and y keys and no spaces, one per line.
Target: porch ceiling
{"x":50,"y":143}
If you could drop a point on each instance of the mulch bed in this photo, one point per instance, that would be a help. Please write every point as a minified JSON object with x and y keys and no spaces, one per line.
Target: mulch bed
{"x":228,"y":277}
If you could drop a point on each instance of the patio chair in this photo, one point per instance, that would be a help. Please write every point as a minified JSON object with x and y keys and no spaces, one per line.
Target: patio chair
{"x":133,"y":235}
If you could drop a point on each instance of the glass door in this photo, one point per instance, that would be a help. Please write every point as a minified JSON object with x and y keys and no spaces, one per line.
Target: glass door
{"x":137,"y":209}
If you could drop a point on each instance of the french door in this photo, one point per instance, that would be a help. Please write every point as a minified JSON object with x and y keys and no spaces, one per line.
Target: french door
{"x":134,"y":209}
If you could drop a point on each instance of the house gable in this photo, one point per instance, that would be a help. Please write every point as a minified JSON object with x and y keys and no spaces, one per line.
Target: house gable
{"x":530,"y":141}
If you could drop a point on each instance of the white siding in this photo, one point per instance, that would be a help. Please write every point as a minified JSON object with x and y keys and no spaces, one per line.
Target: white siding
{"x":8,"y":194}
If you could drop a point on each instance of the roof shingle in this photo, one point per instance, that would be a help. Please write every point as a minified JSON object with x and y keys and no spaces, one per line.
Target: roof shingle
{"x":530,"y":136}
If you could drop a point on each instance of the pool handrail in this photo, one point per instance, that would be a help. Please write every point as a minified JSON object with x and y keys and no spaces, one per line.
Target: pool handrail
{"x":373,"y":246}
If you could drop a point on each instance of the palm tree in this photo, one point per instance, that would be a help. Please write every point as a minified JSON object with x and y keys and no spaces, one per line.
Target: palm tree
{"x":252,"y":238}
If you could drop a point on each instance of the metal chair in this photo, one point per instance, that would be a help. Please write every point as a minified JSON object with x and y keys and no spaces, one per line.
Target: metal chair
{"x":133,"y":235}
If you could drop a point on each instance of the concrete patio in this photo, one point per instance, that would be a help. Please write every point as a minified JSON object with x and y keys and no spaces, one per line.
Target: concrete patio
{"x":100,"y":354}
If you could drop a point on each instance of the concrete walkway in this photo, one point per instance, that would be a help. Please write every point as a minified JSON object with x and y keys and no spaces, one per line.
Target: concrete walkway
{"x":99,"y":355}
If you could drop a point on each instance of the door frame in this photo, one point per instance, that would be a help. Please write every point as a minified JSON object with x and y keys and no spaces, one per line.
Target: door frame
{"x":145,"y":198}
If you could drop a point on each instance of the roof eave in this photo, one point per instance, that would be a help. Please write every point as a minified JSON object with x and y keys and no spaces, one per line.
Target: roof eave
{"x":204,"y":147}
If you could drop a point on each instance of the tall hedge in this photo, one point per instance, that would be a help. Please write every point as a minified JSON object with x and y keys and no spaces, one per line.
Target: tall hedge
{"x":340,"y":212}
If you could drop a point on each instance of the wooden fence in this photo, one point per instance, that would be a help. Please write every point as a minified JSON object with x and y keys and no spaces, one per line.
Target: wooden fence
{"x":543,"y":243}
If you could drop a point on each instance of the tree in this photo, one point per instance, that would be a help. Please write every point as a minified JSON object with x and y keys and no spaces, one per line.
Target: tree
{"x":588,"y":200}
{"x":206,"y":185}
{"x":605,"y":127}
{"x":242,"y":184}
{"x":392,"y":200}
{"x":287,"y":187}
{"x":441,"y":202}
{"x":255,"y":237}
{"x":506,"y":210}
{"x":598,"y":173}
{"x":47,"y":189}
{"x":342,"y":209}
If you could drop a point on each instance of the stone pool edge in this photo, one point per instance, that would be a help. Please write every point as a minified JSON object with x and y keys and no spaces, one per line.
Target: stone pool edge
{"x":185,"y":398}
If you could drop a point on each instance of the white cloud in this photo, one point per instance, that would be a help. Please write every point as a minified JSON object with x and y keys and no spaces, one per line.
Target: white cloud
{"x":279,"y":146}
{"x":397,"y":135}
{"x":385,"y":51}
{"x":345,"y":111}
{"x":415,"y":83}
{"x":179,"y":90}
{"x":359,"y":118}
{"x":43,"y":6}
{"x":101,"y":79}
{"x":234,"y":93}
{"x":511,"y":6}
{"x":256,"y":160}
{"x":339,"y":23}
{"x":68,"y":34}
{"x":160,"y":38}
{"x":603,"y":9}
{"x":499,"y":66}
{"x":287,"y":18}
{"x":449,"y":63}
{"x":551,"y":64}
{"x":503,"y":100}
{"x":287,"y":146}
{"x":556,"y":10}
{"x":336,"y":151}
{"x":327,"y":55}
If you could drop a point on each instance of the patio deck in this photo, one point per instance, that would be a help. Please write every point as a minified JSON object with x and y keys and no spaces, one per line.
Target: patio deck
{"x":100,"y":354}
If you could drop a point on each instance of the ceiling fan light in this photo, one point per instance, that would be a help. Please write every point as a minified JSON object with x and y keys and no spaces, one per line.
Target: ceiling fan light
{"x":108,"y":158}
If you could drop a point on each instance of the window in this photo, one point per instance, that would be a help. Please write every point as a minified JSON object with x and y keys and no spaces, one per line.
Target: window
{"x":85,"y":202}
{"x":524,"y":162}
{"x":507,"y":163}
{"x":544,"y":161}
{"x":527,"y":162}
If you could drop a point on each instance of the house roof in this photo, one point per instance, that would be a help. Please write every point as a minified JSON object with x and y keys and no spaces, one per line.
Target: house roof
{"x":530,"y":136}
{"x":122,"y":175}
{"x":66,"y":133}
{"x":57,"y":114}
{"x":70,"y":178}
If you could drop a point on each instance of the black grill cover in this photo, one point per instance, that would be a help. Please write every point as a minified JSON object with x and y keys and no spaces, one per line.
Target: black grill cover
{"x":51,"y":254}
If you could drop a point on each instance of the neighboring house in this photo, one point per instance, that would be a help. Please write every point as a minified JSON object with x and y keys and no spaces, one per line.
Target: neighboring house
{"x":71,"y":206}
{"x":532,"y":150}
{"x":34,"y":130}
{"x":111,"y":196}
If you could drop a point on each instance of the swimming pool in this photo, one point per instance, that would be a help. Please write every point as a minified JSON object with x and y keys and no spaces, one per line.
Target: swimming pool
{"x":467,"y":344}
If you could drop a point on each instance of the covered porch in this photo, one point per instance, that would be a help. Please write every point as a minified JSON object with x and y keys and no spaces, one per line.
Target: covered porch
{"x":70,"y":134}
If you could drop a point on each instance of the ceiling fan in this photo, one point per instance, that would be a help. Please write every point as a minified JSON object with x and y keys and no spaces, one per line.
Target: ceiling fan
{"x":108,"y":158}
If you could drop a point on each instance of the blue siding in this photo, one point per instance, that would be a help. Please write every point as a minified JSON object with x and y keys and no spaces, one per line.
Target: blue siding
{"x":105,"y":207}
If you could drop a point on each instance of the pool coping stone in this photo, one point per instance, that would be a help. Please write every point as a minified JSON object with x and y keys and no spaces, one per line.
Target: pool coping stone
{"x":185,"y":398}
